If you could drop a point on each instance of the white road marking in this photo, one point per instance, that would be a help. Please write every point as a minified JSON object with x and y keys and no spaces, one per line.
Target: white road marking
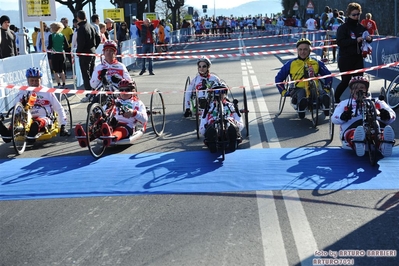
{"x":272,"y":239}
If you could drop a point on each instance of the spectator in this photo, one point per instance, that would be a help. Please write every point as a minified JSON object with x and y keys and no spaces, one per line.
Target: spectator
{"x":68,"y":33}
{"x":34,"y":37}
{"x":95,"y":22}
{"x":8,"y":45}
{"x":57,"y":42}
{"x":349,"y":41}
{"x":370,"y":24}
{"x":109,"y":33}
{"x":160,"y":32}
{"x":102,"y":32}
{"x":146,"y":28}
{"x":75,"y":34}
{"x":87,"y":42}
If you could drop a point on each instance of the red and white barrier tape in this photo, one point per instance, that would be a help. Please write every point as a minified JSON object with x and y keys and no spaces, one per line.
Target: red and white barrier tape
{"x":70,"y":91}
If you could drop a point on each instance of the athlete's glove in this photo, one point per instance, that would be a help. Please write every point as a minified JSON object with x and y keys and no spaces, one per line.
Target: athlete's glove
{"x":346,"y":115}
{"x":103,"y":75}
{"x":188,"y":113}
{"x":283,"y":93}
{"x":115,"y":79}
{"x":384,"y":115}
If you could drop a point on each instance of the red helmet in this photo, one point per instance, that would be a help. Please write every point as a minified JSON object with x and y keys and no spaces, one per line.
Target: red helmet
{"x":110,"y":44}
{"x":359,"y":79}
{"x":127,"y":84}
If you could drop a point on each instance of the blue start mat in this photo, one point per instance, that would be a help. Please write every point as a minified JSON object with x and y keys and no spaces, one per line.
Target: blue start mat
{"x":195,"y":172}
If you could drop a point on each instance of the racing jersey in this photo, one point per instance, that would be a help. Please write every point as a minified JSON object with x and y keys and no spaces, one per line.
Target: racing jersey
{"x":48,"y":101}
{"x":295,"y":68}
{"x":135,"y":104}
{"x":114,"y":68}
{"x":344,"y":125}
{"x":229,"y":113}
{"x":197,"y":83}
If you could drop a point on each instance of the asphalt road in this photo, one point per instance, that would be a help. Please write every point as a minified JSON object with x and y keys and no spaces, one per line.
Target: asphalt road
{"x":281,"y":227}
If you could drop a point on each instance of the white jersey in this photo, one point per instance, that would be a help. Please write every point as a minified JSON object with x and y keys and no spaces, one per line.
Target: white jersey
{"x":115,"y":68}
{"x":197,"y":84}
{"x":134,"y":104}
{"x":229,"y":113}
{"x":48,"y":103}
{"x":344,"y":125}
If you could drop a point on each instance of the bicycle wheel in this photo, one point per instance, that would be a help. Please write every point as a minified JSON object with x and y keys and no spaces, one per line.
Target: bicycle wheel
{"x":392,"y":93}
{"x":19,"y":125}
{"x":245,"y":111}
{"x":157,"y":112}
{"x":68,"y":112}
{"x":331,"y":110}
{"x":313,"y":103}
{"x":95,"y":117}
{"x":283,"y":98}
{"x":222,"y":130}
{"x":198,"y":115}
{"x":372,"y":131}
{"x":188,"y":81}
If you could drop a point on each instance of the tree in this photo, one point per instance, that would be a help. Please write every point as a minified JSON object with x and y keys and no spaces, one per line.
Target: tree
{"x":76,"y":5}
{"x":174,"y":6}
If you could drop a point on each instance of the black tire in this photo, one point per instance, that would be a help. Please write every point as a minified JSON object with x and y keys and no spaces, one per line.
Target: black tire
{"x":283,"y":98}
{"x":372,"y":131}
{"x":245,"y":111}
{"x":331,"y":110}
{"x":222,"y":130}
{"x":95,"y":117}
{"x":188,"y":81}
{"x":383,"y":93}
{"x":198,"y":115}
{"x":392,"y":93}
{"x":314,"y":103}
{"x":19,"y":125}
{"x":157,"y":112}
{"x":68,"y":112}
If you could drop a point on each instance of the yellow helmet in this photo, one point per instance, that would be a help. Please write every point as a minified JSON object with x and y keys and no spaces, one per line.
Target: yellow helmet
{"x":303,"y":40}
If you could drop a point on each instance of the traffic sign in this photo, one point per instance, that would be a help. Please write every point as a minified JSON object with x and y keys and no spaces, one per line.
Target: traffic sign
{"x":310,"y":5}
{"x":295,"y":6}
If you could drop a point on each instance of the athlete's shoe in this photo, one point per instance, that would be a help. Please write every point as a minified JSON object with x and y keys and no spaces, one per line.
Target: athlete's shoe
{"x":358,"y":141}
{"x":387,"y":141}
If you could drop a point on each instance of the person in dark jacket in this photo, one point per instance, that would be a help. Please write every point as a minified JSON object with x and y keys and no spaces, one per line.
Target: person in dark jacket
{"x":349,"y":41}
{"x":8,"y":46}
{"x":87,"y":41}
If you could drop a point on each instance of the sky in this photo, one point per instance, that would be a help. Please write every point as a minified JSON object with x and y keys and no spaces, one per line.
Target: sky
{"x":217,"y":3}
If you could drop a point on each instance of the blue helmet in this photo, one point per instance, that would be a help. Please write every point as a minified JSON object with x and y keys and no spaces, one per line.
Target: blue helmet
{"x":33,"y":72}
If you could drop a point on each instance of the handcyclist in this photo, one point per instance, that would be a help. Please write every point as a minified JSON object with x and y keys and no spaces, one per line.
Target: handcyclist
{"x":232,"y":117}
{"x":130,"y":112}
{"x":299,"y":68}
{"x":349,"y":117}
{"x":202,"y":81}
{"x":110,"y":68}
{"x":45,"y":103}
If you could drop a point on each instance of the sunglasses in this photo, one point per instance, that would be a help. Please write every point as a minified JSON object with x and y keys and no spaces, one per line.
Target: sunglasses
{"x":355,"y":15}
{"x":202,"y":66}
{"x":125,"y":89}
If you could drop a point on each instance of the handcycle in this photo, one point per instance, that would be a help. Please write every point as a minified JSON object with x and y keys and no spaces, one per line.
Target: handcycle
{"x":200,"y":98}
{"x":314,"y":105}
{"x":370,"y":124}
{"x":21,"y":121}
{"x":103,"y":112}
{"x":220,"y":125}
{"x":391,"y":93}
